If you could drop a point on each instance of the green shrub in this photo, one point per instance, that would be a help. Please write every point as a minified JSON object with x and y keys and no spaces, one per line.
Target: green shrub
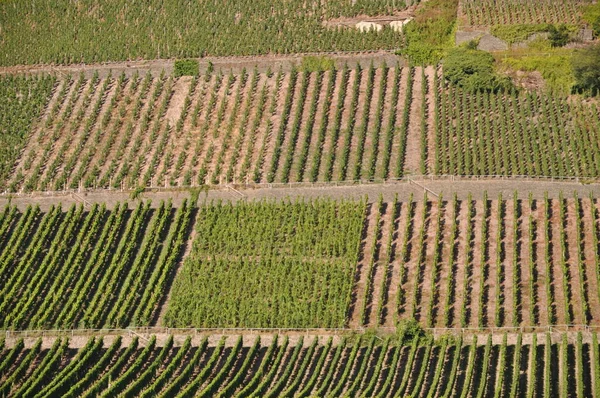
{"x":586,"y":68}
{"x":187,"y":67}
{"x":312,"y":63}
{"x":554,"y":66}
{"x":519,"y":33}
{"x":431,"y":33}
{"x":473,"y":70}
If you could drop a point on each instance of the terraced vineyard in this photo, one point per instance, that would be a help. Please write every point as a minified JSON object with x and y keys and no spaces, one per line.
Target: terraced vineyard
{"x":97,"y":31}
{"x":76,"y":268}
{"x":446,"y":263}
{"x":480,"y":263}
{"x":533,"y":134}
{"x":306,"y":367}
{"x":286,"y":264}
{"x":514,"y":12}
{"x":347,"y":124}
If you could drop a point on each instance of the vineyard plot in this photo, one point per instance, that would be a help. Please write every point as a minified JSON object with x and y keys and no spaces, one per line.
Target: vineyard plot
{"x":480,"y":263}
{"x":305,"y":366}
{"x":515,"y":12}
{"x":120,"y":132}
{"x":269,"y":264}
{"x":95,"y":268}
{"x":533,"y":134}
{"x":22,"y":101}
{"x":99,"y":31}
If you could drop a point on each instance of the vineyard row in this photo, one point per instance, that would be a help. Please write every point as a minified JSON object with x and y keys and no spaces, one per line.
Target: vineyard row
{"x":364,"y":366}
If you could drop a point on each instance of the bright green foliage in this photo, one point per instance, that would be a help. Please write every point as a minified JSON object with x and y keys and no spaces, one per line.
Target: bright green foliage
{"x":22,"y":99}
{"x":312,"y":63}
{"x":431,"y":33}
{"x":269,"y":264}
{"x":91,"y":268}
{"x":187,"y":67}
{"x":591,"y":15}
{"x":473,"y":70}
{"x":586,"y":68}
{"x":553,"y":63}
{"x":61,"y":31}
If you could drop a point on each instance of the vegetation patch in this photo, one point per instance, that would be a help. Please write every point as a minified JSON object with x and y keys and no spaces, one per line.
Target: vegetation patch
{"x":22,"y":99}
{"x":269,"y":264}
{"x":187,"y":67}
{"x":312,"y":63}
{"x":431,"y":33}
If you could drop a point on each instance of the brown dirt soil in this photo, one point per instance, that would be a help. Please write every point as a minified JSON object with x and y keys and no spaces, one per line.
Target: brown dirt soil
{"x":526,"y":304}
{"x":380,"y":273}
{"x":491,"y":286}
{"x":394,"y":284}
{"x":362,"y":268}
{"x":430,"y":72}
{"x":428,"y":281}
{"x":320,"y":117}
{"x":389,"y":109}
{"x":360,"y":112}
{"x":413,"y":142}
{"x":328,"y":144}
{"x":544,"y":307}
{"x":461,"y":258}
{"x":557,"y":272}
{"x":590,"y":253}
{"x":474,"y":283}
{"x":578,"y":286}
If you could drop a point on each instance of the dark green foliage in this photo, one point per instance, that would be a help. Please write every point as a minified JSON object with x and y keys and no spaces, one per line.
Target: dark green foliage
{"x":559,"y":35}
{"x":187,"y":67}
{"x":472,"y":70}
{"x":586,"y":68}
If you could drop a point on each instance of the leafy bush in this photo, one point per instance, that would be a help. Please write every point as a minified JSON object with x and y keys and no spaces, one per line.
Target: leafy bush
{"x":586,"y":68}
{"x":187,"y":67}
{"x":313,"y":63}
{"x":517,"y":33}
{"x":473,"y":70}
{"x":430,"y":35}
{"x":559,"y":35}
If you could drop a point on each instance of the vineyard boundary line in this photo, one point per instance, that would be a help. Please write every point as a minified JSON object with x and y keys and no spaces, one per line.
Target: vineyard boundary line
{"x":146,"y":331}
{"x":416,"y":179}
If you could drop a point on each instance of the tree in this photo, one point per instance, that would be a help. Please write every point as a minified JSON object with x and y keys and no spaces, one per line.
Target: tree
{"x":473,"y":70}
{"x":558,"y":36}
{"x":586,"y":68}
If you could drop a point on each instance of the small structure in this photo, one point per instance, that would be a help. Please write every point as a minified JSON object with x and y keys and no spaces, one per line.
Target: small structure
{"x":365,"y":26}
{"x":398,"y":26}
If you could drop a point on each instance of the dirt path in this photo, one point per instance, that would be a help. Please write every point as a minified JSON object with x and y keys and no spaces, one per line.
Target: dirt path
{"x":380,"y":273}
{"x":389,"y":191}
{"x":590,"y":254}
{"x":510,"y":251}
{"x":226,"y":64}
{"x":430,"y":72}
{"x":413,"y":140}
{"x":390,"y":311}
{"x":362,"y":268}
